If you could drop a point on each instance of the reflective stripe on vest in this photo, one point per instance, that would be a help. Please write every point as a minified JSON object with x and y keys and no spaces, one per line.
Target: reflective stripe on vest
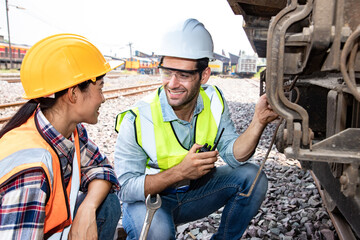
{"x":75,"y":185}
{"x":157,"y":137}
{"x":22,"y":149}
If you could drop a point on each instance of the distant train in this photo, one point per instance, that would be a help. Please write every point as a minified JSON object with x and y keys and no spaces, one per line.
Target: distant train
{"x":216,"y":67}
{"x":18,"y":52}
{"x":142,"y":65}
{"x":246,"y":66}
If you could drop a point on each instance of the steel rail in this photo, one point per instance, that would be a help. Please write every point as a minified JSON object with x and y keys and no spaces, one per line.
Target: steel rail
{"x":15,"y":78}
{"x":11,"y":80}
{"x":109,"y":91}
{"x":341,"y":226}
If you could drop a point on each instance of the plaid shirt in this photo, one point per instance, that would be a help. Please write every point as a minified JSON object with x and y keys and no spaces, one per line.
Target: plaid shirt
{"x":23,"y":199}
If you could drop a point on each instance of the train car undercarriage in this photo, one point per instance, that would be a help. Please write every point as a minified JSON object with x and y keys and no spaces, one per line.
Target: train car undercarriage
{"x":312,"y":80}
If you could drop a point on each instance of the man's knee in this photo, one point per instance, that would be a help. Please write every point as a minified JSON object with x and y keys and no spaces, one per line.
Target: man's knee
{"x":262,"y":184}
{"x":157,"y":231}
{"x":162,"y":226}
{"x":160,"y":231}
{"x":250,"y":173}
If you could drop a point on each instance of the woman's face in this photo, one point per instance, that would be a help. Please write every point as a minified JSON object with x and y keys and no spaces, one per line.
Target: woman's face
{"x":90,"y":101}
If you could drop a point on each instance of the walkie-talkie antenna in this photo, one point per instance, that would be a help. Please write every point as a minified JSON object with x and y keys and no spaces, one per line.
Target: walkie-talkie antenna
{"x":215,"y":145}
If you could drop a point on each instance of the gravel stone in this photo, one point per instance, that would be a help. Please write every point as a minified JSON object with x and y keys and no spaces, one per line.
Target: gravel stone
{"x":292,"y":209}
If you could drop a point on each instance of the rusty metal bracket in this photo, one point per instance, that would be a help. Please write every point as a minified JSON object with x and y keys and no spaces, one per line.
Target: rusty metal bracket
{"x":343,"y":147}
{"x":274,"y":71}
{"x":350,"y":180}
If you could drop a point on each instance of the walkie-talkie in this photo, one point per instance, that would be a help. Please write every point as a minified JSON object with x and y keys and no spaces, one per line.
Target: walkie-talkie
{"x":207,"y":148}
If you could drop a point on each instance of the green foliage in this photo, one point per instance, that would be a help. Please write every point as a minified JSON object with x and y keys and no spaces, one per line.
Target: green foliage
{"x":9,"y":71}
{"x":257,"y":75}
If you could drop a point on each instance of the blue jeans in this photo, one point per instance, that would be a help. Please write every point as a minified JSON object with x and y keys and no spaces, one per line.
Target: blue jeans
{"x":207,"y":194}
{"x":107,"y":215}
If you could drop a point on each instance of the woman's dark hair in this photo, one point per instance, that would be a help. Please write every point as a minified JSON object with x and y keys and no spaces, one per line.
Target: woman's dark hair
{"x":23,"y":114}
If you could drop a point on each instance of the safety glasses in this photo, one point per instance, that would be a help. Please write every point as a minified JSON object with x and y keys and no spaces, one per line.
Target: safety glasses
{"x":180,"y":74}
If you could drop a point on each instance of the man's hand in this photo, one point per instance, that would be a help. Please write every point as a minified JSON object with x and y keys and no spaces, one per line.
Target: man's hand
{"x":263,"y":111}
{"x":246,"y":143}
{"x":195,"y":165}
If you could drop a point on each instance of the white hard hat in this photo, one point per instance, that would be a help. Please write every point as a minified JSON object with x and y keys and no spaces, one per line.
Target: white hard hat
{"x":189,"y":40}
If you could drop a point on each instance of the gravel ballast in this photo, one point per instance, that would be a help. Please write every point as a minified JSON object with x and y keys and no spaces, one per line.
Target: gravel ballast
{"x":293,"y":208}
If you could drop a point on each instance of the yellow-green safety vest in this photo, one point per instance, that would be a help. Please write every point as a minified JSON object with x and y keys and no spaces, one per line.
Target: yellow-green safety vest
{"x":157,"y":137}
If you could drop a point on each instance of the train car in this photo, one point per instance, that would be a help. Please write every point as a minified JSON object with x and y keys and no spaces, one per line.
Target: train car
{"x":246,"y":66}
{"x":142,"y":65}
{"x":216,"y":67}
{"x":18,"y":52}
{"x":312,"y":80}
{"x":132,"y":64}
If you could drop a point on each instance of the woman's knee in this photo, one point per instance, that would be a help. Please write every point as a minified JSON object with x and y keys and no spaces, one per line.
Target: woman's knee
{"x":107,"y":217}
{"x":110,"y":208}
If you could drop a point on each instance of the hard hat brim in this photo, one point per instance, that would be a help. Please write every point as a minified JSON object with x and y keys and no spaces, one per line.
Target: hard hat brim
{"x":112,"y":63}
{"x":115,"y":64}
{"x":61,"y":61}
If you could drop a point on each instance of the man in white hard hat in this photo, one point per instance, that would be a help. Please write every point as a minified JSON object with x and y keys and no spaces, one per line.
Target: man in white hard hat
{"x":159,"y":146}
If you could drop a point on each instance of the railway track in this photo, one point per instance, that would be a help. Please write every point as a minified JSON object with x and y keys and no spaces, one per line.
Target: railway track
{"x":15,"y":77}
{"x":341,"y":226}
{"x":102,"y":138}
{"x":109,"y":94}
{"x":10,"y":78}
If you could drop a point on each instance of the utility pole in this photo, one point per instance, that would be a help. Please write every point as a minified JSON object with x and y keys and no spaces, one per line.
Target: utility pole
{"x":131,"y":63}
{"x":130,"y":44}
{"x":8,"y":28}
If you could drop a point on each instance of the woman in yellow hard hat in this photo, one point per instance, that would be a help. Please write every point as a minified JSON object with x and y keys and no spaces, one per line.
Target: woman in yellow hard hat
{"x":54,"y":182}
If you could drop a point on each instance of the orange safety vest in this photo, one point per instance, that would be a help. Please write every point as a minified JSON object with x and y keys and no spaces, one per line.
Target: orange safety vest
{"x":27,"y":137}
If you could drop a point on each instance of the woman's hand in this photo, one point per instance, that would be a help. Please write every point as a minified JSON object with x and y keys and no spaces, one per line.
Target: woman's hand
{"x":84,"y":225}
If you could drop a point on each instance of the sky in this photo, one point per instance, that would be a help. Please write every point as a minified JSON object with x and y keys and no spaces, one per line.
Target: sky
{"x":112,"y":25}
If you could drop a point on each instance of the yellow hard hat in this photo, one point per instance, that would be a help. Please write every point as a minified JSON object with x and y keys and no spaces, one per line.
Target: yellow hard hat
{"x":59,"y":62}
